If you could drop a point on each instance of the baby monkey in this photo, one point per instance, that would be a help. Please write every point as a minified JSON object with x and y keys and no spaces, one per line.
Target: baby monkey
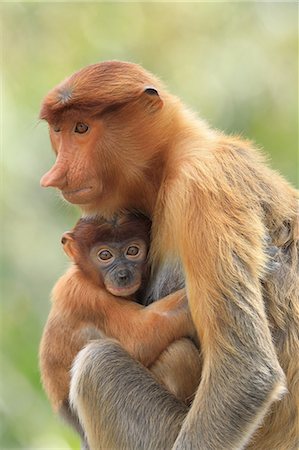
{"x":94,"y":300}
{"x":112,"y":254}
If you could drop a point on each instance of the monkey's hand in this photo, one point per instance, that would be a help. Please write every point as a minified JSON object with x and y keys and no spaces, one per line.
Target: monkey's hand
{"x":172,"y":303}
{"x":174,"y":307}
{"x":158,"y":325}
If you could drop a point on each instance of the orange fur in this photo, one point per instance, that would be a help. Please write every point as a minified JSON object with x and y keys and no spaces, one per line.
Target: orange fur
{"x":216,"y":206}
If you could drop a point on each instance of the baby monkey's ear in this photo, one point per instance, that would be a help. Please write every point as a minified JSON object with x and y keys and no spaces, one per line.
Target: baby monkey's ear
{"x":69,"y":245}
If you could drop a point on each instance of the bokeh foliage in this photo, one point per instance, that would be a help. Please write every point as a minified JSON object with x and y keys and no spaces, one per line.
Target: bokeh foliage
{"x":235,"y":63}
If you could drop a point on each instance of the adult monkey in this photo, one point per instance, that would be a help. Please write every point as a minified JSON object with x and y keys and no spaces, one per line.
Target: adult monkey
{"x":122,"y":141}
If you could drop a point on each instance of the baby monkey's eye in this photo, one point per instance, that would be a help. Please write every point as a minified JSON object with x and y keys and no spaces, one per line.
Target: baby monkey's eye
{"x":132,"y":250}
{"x":81,"y":128}
{"x":104,"y":255}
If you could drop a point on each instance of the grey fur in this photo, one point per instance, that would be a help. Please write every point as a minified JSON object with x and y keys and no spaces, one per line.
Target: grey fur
{"x":169,"y":278}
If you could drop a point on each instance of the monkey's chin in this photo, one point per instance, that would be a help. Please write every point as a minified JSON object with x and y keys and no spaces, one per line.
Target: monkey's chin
{"x":124,"y":291}
{"x":79,"y":196}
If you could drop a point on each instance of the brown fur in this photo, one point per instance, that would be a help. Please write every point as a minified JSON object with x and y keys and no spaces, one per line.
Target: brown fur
{"x":84,"y":310}
{"x":217,"y":207}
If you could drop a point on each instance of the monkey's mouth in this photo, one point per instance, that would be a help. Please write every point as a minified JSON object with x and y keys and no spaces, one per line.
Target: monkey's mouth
{"x":72,"y":195}
{"x":125,"y":291}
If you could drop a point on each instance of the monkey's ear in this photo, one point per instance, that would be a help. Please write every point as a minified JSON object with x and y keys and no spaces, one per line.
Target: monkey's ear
{"x":152,"y":98}
{"x":69,"y":245}
{"x":151,"y":90}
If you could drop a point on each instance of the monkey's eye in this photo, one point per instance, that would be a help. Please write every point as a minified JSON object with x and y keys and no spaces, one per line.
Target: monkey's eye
{"x":104,"y":255}
{"x":132,"y":250}
{"x":56,"y":128}
{"x":81,"y":128}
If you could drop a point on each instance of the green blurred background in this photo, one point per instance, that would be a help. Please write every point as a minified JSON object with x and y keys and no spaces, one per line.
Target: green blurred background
{"x":236,"y":63}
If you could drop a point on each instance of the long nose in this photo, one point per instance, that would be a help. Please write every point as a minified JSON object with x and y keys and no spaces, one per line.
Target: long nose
{"x":55,"y":177}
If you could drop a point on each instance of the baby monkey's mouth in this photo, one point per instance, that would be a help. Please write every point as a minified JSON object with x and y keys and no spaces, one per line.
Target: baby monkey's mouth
{"x":124,"y":291}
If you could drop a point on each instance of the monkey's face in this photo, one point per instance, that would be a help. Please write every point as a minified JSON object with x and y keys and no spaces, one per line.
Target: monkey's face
{"x":93,"y":159}
{"x":74,"y":140}
{"x":120,"y":265}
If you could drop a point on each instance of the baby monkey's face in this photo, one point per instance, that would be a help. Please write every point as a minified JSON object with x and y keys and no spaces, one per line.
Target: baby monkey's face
{"x":121,"y":265}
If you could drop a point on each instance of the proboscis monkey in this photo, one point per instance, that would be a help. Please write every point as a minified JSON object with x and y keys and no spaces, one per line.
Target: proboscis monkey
{"x":123,"y":141}
{"x":92,"y":300}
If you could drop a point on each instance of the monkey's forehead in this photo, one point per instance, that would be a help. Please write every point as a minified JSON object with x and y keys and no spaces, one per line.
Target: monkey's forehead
{"x":122,"y":225}
{"x":97,"y":85}
{"x":117,"y":240}
{"x":89,"y":234}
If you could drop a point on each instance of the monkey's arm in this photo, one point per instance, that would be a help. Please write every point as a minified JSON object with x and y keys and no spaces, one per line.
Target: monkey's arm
{"x":57,"y":350}
{"x":120,"y":404}
{"x":224,"y":265}
{"x":134,"y":325}
{"x":139,"y":335}
{"x":61,"y":341}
